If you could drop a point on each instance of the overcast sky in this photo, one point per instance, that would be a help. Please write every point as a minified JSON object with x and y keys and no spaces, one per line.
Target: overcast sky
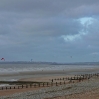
{"x":49,"y":30}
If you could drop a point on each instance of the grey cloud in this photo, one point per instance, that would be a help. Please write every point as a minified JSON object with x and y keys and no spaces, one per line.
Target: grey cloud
{"x":49,"y":27}
{"x":51,"y":7}
{"x":33,"y":29}
{"x":83,"y":11}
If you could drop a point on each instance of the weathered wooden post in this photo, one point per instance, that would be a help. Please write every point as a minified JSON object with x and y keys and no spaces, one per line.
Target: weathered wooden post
{"x":30,"y":85}
{"x":22,"y":86}
{"x":47,"y":84}
{"x":56,"y":83}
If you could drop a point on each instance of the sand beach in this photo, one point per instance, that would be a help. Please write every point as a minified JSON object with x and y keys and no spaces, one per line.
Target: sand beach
{"x":74,"y":89}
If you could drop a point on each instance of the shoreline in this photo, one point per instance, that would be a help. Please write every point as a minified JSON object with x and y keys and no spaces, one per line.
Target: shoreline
{"x":41,"y":73}
{"x":44,"y":76}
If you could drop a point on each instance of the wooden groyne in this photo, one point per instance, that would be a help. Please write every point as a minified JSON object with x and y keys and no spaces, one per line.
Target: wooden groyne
{"x":52,"y":82}
{"x":18,"y":82}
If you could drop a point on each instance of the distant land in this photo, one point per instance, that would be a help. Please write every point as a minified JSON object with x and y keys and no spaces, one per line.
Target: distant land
{"x":50,"y":63}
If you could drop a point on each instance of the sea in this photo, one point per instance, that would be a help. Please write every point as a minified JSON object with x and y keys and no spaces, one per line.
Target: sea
{"x":11,"y":71}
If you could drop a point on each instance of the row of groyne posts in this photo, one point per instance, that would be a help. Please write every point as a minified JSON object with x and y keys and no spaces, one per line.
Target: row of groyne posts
{"x":52,"y":82}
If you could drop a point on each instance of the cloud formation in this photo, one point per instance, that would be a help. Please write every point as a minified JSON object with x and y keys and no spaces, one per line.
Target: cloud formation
{"x":49,"y":30}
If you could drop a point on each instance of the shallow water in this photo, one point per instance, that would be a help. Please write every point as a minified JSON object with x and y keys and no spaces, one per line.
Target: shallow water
{"x":17,"y":71}
{"x":16,"y":68}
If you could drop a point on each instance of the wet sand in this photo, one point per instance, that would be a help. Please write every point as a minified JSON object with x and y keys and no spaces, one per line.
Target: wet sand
{"x":47,"y":73}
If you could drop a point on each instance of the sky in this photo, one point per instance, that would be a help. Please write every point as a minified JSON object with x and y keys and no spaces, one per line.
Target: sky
{"x":49,"y":30}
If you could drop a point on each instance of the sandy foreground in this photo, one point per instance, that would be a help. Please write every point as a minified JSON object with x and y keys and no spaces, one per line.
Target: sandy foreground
{"x":88,"y":89}
{"x":38,"y":79}
{"x":94,"y":94}
{"x":83,"y":90}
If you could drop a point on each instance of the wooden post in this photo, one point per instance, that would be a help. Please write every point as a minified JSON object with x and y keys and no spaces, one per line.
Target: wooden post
{"x":47,"y":83}
{"x":14,"y":87}
{"x":56,"y":83}
{"x":22,"y":86}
